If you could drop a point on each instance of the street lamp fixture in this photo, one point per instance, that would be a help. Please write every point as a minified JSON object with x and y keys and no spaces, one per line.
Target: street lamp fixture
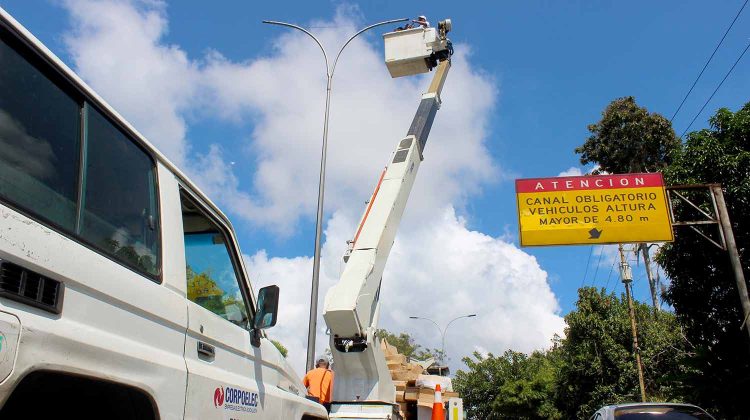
{"x":321,"y":181}
{"x":443,"y":331}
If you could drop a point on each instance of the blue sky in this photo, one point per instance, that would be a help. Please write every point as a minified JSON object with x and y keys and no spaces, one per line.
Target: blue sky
{"x":550,"y":68}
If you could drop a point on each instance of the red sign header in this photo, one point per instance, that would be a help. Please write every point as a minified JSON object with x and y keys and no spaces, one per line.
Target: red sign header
{"x":591,"y":182}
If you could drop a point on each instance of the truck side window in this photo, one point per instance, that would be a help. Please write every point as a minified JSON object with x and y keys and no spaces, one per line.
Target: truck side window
{"x":39,"y":139}
{"x":212,"y":280}
{"x":119,"y":200}
{"x":65,"y":163}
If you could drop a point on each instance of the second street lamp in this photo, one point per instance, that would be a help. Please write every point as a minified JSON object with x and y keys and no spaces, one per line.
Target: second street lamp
{"x":321,"y":181}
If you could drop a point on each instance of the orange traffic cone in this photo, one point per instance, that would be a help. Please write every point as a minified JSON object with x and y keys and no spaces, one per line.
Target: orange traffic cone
{"x":438,"y":411}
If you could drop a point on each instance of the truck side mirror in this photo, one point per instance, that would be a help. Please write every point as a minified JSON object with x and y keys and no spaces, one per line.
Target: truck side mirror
{"x":268,"y":306}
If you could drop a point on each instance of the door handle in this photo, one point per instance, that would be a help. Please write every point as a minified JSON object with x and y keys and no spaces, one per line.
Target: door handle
{"x":207,"y":351}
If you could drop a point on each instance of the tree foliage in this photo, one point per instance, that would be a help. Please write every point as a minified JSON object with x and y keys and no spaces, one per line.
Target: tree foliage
{"x":406,"y":345}
{"x":598,"y":363}
{"x":593,"y":366}
{"x":282,"y":349}
{"x":703,"y":291}
{"x":716,"y":371}
{"x":628,"y":138}
{"x":514,"y":385}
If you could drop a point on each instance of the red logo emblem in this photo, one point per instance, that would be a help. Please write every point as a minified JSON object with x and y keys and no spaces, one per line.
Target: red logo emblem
{"x":219,"y":397}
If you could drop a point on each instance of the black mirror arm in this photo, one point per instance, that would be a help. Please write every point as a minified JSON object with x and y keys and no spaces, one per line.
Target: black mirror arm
{"x":255,"y":335}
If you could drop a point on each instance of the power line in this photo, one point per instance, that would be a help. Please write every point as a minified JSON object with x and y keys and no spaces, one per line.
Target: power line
{"x":591,"y":251}
{"x":717,"y":89}
{"x":609,"y":276}
{"x":709,"y":60}
{"x":601,"y":252}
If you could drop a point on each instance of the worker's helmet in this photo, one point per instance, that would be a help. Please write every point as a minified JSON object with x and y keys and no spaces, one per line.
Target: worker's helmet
{"x":421,"y":17}
{"x":321,"y":361}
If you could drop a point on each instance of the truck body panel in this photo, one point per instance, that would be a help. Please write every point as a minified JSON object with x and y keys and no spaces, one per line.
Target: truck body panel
{"x":111,"y":312}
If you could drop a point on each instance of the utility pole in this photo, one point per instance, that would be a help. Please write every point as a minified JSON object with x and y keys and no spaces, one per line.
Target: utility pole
{"x":643,"y":247}
{"x":626,"y":274}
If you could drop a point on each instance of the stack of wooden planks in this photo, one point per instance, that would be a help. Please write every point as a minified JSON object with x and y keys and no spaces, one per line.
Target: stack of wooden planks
{"x":404,"y":373}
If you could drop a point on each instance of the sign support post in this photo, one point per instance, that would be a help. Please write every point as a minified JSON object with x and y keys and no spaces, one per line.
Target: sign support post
{"x":734,"y":256}
{"x":726,"y":242}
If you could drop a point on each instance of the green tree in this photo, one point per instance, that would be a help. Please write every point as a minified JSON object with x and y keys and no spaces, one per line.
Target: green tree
{"x":628,"y":138}
{"x":597,"y":361}
{"x":283,"y":350}
{"x":514,"y":385}
{"x":592,"y":366}
{"x":204,"y":290}
{"x":702,"y":289}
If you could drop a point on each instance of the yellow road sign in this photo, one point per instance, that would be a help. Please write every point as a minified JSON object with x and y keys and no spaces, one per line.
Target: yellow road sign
{"x":593,"y":210}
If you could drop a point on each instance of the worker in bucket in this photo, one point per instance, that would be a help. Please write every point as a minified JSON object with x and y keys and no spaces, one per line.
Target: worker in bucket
{"x":422,"y":21}
{"x":405,"y":27}
{"x":319,"y":383}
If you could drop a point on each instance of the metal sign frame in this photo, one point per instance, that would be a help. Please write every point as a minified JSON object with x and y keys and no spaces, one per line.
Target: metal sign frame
{"x":726,"y":235}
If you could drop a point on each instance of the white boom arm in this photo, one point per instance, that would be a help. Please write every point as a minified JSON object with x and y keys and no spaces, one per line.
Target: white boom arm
{"x":363,"y":383}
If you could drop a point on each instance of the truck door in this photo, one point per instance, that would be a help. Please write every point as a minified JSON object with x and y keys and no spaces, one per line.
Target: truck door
{"x":227,"y":377}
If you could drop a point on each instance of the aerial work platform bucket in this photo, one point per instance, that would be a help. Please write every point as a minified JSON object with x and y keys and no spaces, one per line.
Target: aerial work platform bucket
{"x":418,"y":50}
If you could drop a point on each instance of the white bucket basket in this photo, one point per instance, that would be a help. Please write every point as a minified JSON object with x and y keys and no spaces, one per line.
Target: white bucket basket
{"x":411,"y":51}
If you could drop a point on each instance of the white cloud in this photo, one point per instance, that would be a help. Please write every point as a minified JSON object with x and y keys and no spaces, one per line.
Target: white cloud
{"x":440,"y":271}
{"x":369,"y":113}
{"x":114,"y":48}
{"x":293,"y":276}
{"x":438,"y":266}
{"x":113,"y":42}
{"x":572,"y":171}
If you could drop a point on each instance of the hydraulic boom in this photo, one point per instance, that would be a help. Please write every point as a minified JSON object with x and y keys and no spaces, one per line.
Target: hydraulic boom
{"x":363,"y":387}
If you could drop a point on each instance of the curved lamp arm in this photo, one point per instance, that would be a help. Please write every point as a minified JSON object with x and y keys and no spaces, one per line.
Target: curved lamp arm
{"x":456,"y":319}
{"x":289,"y":25}
{"x":386,"y":22}
{"x":428,"y":319}
{"x":330,"y":70}
{"x":449,"y":324}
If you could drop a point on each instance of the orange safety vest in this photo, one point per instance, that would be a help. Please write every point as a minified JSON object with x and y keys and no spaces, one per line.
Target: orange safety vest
{"x":319,"y":383}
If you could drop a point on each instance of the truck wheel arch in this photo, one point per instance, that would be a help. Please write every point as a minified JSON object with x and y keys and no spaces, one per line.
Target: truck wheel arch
{"x":48,"y":394}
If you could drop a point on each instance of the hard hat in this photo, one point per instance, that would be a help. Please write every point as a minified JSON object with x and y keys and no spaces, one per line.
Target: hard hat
{"x":422,"y":17}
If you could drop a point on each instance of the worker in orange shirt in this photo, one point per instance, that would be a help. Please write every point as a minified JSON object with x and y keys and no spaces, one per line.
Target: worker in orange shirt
{"x":319,"y":383}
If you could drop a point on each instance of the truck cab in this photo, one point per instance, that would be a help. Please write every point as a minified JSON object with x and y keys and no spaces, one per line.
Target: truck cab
{"x":123,"y":292}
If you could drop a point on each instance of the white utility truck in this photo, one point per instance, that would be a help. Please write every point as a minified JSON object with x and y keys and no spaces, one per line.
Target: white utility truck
{"x":123,"y":293}
{"x":363,"y":388}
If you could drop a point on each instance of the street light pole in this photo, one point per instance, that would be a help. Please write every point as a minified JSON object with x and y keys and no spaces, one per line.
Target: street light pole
{"x":312,"y":326}
{"x":443,"y":331}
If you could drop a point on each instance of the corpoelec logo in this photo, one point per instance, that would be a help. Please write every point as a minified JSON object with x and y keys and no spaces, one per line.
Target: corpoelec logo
{"x":233,"y":399}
